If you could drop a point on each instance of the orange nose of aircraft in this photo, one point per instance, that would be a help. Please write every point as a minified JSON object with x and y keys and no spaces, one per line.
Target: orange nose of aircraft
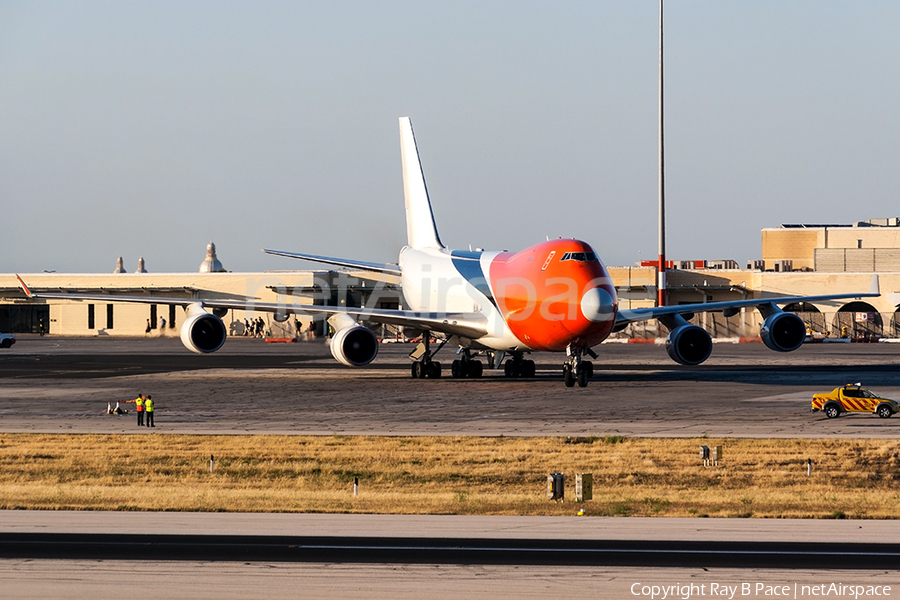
{"x":555,"y":294}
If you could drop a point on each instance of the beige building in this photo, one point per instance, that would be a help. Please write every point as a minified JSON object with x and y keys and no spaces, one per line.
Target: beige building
{"x":19,"y":315}
{"x":800,"y":260}
{"x":866,"y":246}
{"x":871,"y":318}
{"x":636,"y":288}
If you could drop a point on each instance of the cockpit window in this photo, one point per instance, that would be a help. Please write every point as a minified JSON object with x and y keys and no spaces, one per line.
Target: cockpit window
{"x":580,"y":256}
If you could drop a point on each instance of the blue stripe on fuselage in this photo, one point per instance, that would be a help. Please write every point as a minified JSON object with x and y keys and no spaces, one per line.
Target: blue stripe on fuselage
{"x":468,"y":264}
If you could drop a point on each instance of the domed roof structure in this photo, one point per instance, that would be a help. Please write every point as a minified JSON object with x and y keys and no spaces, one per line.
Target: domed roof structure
{"x":141,"y":268}
{"x":120,"y":265}
{"x":211,"y":263}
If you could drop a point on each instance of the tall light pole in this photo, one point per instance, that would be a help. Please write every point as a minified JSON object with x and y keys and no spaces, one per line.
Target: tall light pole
{"x":661,"y":277}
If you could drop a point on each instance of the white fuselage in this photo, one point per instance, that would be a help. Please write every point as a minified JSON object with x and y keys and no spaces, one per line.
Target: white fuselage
{"x":436,"y":281}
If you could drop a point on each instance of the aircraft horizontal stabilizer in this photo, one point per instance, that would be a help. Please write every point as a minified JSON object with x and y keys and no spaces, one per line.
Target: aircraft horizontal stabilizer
{"x":390,"y":268}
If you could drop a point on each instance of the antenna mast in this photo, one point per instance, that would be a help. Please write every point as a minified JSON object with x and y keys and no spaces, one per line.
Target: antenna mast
{"x":661,"y":285}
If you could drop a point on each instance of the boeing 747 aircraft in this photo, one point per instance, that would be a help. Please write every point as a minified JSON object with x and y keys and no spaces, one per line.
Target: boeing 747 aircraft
{"x":555,"y":296}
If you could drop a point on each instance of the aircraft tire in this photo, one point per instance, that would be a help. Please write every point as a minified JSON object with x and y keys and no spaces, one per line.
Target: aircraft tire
{"x":583,"y":376}
{"x":418,"y":372}
{"x":509,"y":368}
{"x":435,"y":370}
{"x":476,"y":369}
{"x":528,"y":368}
{"x":568,"y":376}
{"x":456,"y":369}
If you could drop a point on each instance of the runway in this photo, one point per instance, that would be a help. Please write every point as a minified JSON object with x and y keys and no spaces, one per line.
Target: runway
{"x":744,"y":390}
{"x":380,"y":556}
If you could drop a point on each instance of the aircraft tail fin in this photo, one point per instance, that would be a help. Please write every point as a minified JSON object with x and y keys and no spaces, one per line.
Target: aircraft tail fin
{"x":421,"y":230}
{"x":24,"y":287}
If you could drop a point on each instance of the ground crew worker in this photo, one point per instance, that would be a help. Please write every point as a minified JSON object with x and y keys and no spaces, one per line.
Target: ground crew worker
{"x":139,"y":407}
{"x":148,"y":408}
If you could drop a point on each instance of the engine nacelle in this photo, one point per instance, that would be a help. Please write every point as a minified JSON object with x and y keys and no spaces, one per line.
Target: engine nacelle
{"x":354,"y":346}
{"x":783,"y":331}
{"x":201,"y":331}
{"x":688,"y":345}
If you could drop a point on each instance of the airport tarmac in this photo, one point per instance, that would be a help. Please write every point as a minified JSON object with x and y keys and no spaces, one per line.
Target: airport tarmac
{"x":200,"y":580}
{"x":453,"y":526}
{"x":63,"y":384}
{"x":744,"y":390}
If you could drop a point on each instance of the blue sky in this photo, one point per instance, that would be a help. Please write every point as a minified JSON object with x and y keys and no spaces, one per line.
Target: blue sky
{"x":150,"y":128}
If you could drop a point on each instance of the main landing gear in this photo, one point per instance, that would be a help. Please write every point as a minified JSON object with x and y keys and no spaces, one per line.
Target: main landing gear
{"x":517,"y":366}
{"x":426,"y":370}
{"x":423,"y":367}
{"x":466,"y":367}
{"x":576,"y":370}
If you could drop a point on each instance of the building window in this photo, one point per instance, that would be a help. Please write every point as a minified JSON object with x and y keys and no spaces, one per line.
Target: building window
{"x":171,"y":316}
{"x":90,"y":316}
{"x":109,"y":316}
{"x":152,"y":316}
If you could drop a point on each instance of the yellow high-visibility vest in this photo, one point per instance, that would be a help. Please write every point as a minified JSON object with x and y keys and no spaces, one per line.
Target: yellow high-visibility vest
{"x":140,"y":403}
{"x":149,"y":403}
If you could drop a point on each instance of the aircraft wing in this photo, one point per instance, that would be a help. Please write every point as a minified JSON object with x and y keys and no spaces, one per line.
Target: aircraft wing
{"x":644,"y":314}
{"x":391,"y":268}
{"x":468,"y":325}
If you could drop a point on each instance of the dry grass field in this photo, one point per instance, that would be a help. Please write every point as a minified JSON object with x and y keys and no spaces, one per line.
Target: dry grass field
{"x":449,"y":475}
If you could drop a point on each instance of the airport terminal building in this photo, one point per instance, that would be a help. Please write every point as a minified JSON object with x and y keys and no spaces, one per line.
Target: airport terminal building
{"x":797,"y":260}
{"x":82,"y":318}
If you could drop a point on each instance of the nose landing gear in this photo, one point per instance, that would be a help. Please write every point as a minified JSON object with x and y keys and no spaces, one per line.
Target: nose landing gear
{"x":576,"y":370}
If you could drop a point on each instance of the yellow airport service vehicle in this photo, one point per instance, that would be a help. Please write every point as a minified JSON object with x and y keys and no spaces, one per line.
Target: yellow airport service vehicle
{"x":853,"y":398}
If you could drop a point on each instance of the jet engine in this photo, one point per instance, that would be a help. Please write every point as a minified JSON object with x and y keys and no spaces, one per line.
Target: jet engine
{"x":354,"y":346}
{"x":202,"y":332}
{"x":783,"y":331}
{"x":688,"y":345}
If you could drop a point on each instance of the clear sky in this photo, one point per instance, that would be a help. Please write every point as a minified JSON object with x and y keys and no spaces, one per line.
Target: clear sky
{"x":150,"y":128}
